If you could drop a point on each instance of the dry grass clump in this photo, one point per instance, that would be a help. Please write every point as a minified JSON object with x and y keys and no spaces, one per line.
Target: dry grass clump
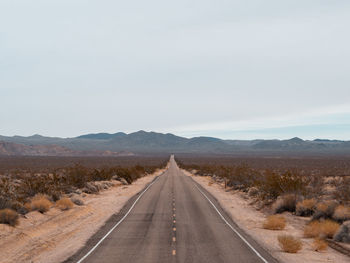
{"x":324,"y":210}
{"x":64,"y":204}
{"x":329,"y":228}
{"x":305,"y":207}
{"x":319,"y":245}
{"x":40,"y":203}
{"x":275,"y":222}
{"x":313,"y":229}
{"x":285,"y":203}
{"x":324,"y":229}
{"x":289,"y":243}
{"x":341,"y":213}
{"x":8,"y":216}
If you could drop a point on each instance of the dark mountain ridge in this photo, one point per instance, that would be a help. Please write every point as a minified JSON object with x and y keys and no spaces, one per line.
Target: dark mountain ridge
{"x":153,"y":142}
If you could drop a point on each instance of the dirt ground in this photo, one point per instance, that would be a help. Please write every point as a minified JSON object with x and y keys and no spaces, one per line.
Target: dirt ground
{"x":56,"y":235}
{"x":251,"y":220}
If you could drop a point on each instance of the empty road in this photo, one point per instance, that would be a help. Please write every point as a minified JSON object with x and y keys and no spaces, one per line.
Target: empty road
{"x":174,"y":220}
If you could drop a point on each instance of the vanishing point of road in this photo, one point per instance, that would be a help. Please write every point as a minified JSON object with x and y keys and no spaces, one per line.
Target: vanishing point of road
{"x":172,"y":220}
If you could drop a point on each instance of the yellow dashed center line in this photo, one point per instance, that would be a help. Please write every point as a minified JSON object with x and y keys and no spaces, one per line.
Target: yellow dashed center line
{"x":174,"y":228}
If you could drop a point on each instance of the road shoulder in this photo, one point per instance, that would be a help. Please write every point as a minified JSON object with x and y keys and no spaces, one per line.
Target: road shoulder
{"x":250,"y":221}
{"x":57,"y":235}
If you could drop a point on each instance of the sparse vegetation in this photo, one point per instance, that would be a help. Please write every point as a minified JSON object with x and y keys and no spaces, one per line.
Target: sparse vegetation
{"x":319,"y":245}
{"x":275,"y":222}
{"x":289,"y":243}
{"x":341,"y":213}
{"x":40,"y":203}
{"x":305,"y":207}
{"x":285,"y":203}
{"x":321,"y":229}
{"x":8,"y":216}
{"x":24,"y":180}
{"x":325,"y":210}
{"x":64,"y":204}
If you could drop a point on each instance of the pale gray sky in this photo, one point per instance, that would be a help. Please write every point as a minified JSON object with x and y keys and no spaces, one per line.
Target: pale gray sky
{"x":232,"y":69}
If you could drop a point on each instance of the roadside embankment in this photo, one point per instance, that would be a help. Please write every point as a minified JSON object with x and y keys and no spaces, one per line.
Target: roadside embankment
{"x":250,"y":220}
{"x":56,"y":235}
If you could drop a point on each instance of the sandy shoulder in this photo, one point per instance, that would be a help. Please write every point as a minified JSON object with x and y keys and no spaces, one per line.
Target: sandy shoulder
{"x":251,"y":220}
{"x":57,"y":235}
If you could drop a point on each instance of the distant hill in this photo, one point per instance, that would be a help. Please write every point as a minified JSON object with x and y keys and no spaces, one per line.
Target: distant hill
{"x":153,"y":142}
{"x":14,"y":149}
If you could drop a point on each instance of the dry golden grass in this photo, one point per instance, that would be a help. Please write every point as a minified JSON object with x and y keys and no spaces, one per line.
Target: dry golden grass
{"x":64,"y":204}
{"x":322,"y":207}
{"x":305,"y":207}
{"x":342,"y":213}
{"x":313,"y":229}
{"x":319,"y":245}
{"x":8,"y":216}
{"x":40,"y":203}
{"x":324,"y":229}
{"x":275,"y":222}
{"x":329,"y":228}
{"x":289,"y":243}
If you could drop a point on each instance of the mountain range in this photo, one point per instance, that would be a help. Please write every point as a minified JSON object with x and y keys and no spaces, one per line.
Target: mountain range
{"x":151,"y":142}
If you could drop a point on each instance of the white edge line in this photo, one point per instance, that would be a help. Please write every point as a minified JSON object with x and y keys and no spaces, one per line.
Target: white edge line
{"x":121,"y":220}
{"x":233,"y":229}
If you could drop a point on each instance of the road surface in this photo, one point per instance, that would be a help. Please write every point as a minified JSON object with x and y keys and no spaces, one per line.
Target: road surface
{"x":173,"y":220}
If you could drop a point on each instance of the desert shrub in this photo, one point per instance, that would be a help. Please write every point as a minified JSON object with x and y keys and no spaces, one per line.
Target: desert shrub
{"x":77,"y":201}
{"x":319,"y":245}
{"x":285,"y":203}
{"x":102,"y":175}
{"x":90,"y":188}
{"x":274,"y":222}
{"x":313,"y":229}
{"x":239,"y":177}
{"x":343,"y":234}
{"x":4,"y":203}
{"x":341,"y":213}
{"x":19,"y":208}
{"x":289,"y":243}
{"x":324,"y":229}
{"x":8,"y":216}
{"x":273,"y":184}
{"x":78,"y":176}
{"x":305,"y":207}
{"x":253,"y":191}
{"x":329,"y":228}
{"x":342,"y":192}
{"x":64,"y":204}
{"x":40,"y":203}
{"x":28,"y":206}
{"x":324,"y":210}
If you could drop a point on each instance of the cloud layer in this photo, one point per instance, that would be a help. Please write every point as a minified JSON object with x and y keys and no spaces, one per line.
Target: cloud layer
{"x":70,"y":67}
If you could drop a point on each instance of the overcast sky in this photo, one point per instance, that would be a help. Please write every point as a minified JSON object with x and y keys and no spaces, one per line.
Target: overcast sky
{"x":231,"y":69}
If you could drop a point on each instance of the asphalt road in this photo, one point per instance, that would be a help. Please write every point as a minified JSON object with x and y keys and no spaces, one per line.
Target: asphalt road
{"x":174,"y":220}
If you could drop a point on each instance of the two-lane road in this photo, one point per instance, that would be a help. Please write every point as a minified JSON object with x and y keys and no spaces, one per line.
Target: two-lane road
{"x":174,"y":220}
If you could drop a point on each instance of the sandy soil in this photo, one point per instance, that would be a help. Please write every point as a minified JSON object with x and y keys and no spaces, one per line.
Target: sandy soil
{"x":56,"y":235}
{"x":251,"y":220}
